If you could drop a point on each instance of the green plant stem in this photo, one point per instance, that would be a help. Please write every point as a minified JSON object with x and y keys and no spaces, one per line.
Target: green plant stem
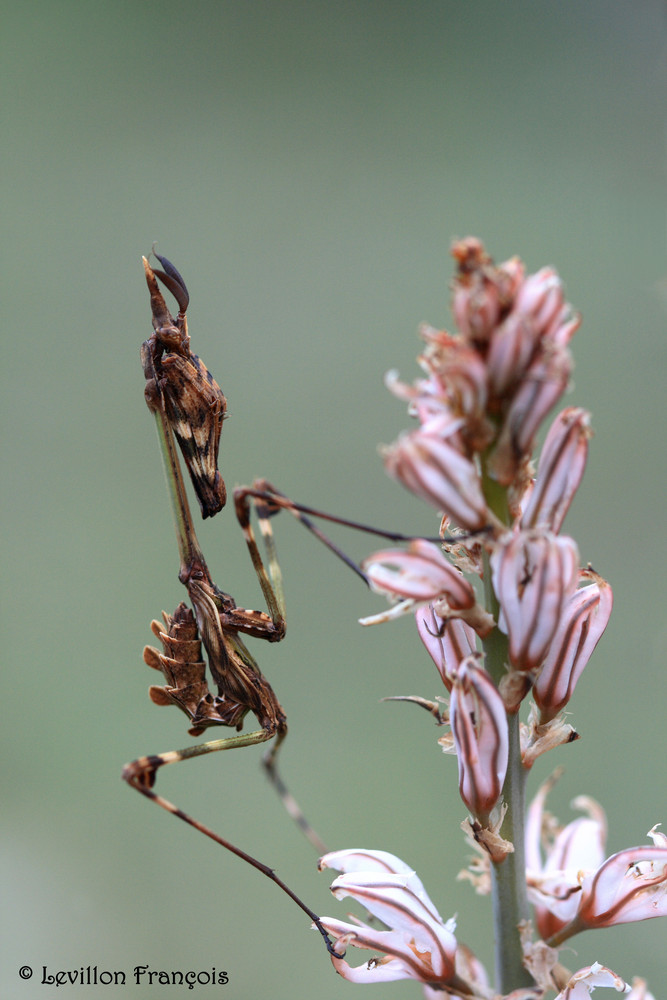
{"x":508,"y":878}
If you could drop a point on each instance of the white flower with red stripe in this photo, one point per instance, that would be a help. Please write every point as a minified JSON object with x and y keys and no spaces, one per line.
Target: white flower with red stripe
{"x":559,"y":471}
{"x":418,"y":944}
{"x":433,"y":468}
{"x":534,"y":574}
{"x":584,"y":619}
{"x":479,"y":727}
{"x":416,"y":576}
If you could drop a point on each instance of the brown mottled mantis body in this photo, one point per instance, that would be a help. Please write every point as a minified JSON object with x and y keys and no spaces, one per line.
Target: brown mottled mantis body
{"x":189,"y":406}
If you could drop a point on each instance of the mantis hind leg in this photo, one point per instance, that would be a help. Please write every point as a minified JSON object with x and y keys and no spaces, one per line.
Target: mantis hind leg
{"x":140,"y":774}
{"x":269,"y":762}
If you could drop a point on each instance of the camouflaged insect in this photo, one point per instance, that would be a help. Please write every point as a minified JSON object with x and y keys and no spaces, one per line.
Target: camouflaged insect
{"x":179,"y":382}
{"x":184,"y":671}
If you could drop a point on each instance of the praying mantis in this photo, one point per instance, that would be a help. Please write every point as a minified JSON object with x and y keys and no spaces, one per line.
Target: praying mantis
{"x":189,"y":409}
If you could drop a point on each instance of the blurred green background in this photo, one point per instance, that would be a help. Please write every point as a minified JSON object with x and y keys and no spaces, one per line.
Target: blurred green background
{"x":306,"y":166}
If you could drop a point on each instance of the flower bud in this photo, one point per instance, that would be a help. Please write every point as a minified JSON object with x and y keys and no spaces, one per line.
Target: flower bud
{"x":459,"y":368}
{"x":540,"y":299}
{"x":475,"y":301}
{"x":479,"y":727}
{"x":534,"y":574}
{"x":511,"y":351}
{"x":434,"y":470}
{"x":482,"y":290}
{"x":584,"y":619}
{"x":560,"y":469}
{"x":565,"y":328}
{"x":542,"y":386}
{"x":416,"y":576}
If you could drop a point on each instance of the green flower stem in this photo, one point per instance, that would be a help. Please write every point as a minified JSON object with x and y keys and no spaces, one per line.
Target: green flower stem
{"x":508,"y":878}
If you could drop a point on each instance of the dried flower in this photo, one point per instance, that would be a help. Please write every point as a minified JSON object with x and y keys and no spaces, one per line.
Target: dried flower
{"x":583,"y":982}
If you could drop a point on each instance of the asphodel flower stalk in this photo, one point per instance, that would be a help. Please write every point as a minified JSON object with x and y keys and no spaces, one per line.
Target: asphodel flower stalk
{"x":480,"y":404}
